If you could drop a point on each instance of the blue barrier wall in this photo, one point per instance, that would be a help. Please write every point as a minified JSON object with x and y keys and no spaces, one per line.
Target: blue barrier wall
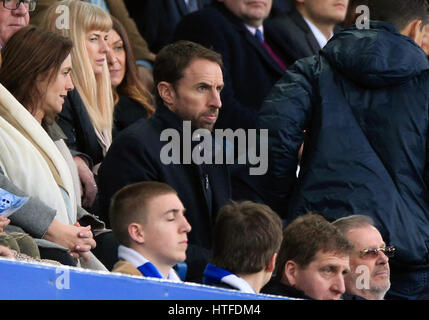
{"x":28,"y":281}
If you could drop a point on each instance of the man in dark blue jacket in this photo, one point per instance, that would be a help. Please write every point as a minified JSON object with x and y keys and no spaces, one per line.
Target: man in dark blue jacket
{"x":363,"y":105}
{"x":188,"y":78}
{"x":254,"y":58}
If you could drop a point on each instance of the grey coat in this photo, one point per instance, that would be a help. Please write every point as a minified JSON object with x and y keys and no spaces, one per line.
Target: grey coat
{"x":35,"y":217}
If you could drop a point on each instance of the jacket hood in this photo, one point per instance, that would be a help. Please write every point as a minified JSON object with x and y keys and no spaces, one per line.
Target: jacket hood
{"x":376,"y":57}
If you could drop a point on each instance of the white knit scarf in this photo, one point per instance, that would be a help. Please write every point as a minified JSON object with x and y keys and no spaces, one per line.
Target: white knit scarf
{"x":25,"y":166}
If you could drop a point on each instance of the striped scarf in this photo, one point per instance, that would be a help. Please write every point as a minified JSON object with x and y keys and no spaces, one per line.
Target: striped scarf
{"x":214,"y":275}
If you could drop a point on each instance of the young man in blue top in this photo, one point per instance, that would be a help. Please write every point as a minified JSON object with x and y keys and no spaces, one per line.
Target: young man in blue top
{"x":148,"y":220}
{"x":247,"y":239}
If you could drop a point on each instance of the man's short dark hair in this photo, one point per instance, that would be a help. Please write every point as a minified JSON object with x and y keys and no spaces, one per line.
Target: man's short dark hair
{"x":246,"y":237}
{"x":399,"y":12}
{"x":305,"y":236}
{"x":129,"y":204}
{"x":174,"y":58}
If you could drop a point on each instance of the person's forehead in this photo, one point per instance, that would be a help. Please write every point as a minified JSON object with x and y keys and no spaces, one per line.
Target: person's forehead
{"x":97,"y":32}
{"x":67,"y":62}
{"x":113,"y":35}
{"x":159,"y":205}
{"x":331,"y":258}
{"x":198,"y":64}
{"x":203,"y":70}
{"x":365,"y":237}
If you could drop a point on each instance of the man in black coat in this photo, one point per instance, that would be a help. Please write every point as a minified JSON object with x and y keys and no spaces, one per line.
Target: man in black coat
{"x":314,"y":257}
{"x":188,"y":78}
{"x":230,"y":27}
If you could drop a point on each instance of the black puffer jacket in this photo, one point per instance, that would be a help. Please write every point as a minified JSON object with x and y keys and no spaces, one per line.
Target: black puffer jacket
{"x":364,"y":105}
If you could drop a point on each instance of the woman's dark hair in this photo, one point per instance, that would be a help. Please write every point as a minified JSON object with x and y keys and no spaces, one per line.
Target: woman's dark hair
{"x":32,"y":54}
{"x":131,"y":85}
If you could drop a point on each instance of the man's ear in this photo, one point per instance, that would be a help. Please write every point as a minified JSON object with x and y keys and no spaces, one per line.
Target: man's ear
{"x":136,"y":233}
{"x":166,"y":92}
{"x":290,"y":272}
{"x":414,"y":31}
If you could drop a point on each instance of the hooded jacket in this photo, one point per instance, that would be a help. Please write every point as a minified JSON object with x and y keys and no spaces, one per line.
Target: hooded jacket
{"x":363,"y":104}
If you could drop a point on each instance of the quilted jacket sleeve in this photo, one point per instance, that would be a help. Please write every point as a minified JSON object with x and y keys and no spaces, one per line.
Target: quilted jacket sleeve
{"x":286,"y":113}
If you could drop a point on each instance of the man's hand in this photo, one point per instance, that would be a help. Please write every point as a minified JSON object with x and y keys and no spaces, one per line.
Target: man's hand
{"x":86,"y":177}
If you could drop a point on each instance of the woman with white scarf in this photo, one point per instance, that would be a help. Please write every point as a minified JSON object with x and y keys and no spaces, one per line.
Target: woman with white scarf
{"x":36,"y":70}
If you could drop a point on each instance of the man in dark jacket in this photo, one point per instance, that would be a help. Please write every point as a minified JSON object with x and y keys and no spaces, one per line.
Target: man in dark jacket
{"x":363,"y":104}
{"x":312,"y":261}
{"x":188,"y":78}
{"x":251,"y":67}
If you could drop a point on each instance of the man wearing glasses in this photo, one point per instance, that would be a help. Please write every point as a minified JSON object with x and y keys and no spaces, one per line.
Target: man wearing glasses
{"x":369,"y":262}
{"x":14,"y":14}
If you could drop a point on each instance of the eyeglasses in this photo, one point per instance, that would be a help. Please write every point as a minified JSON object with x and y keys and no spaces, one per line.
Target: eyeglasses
{"x":373,"y":252}
{"x":29,"y":5}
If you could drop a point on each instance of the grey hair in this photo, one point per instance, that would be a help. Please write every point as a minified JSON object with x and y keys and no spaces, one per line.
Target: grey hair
{"x":353,"y":222}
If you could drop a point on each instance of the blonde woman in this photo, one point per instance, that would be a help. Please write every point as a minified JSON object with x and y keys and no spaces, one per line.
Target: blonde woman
{"x":87,"y":113}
